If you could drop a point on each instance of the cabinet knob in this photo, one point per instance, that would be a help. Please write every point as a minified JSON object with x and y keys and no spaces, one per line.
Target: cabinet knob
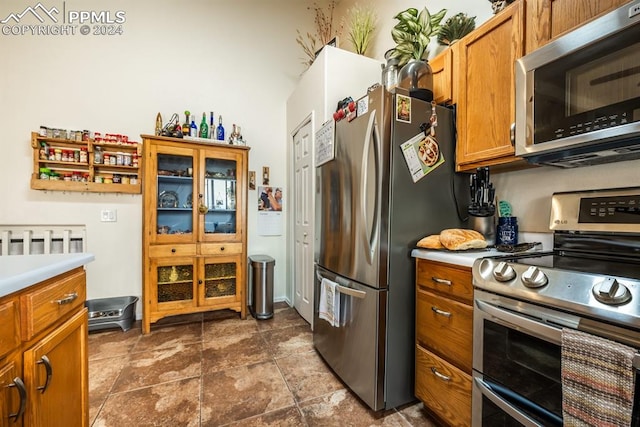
{"x":221,"y":248}
{"x":173,"y":250}
{"x":199,"y":281}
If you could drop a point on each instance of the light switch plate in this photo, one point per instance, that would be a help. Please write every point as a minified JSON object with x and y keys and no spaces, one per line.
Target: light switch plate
{"x":108,"y":215}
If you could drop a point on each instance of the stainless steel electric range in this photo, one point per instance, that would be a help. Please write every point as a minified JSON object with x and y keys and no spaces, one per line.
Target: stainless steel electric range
{"x":589,"y":282}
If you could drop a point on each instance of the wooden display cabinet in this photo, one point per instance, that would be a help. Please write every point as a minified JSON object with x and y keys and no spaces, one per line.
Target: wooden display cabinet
{"x":85,"y":173}
{"x":194,"y":232}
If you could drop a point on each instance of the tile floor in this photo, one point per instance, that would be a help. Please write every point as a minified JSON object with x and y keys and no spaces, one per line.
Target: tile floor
{"x":214,"y":369}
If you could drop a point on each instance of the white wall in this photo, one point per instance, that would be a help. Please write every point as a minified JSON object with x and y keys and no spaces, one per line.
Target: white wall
{"x":386,"y":10}
{"x":238,"y":58}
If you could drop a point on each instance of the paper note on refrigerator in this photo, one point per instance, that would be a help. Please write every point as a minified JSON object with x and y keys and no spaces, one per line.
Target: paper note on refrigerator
{"x":422,"y":154}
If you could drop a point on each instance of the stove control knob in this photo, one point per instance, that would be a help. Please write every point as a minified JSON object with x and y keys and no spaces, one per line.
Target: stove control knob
{"x":533,"y":277}
{"x":503,"y":272}
{"x":611,"y":292}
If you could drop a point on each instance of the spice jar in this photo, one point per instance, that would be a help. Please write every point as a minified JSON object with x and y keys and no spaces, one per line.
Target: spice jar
{"x":97,"y":155}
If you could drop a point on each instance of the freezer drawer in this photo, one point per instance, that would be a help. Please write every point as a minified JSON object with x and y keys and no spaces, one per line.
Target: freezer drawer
{"x":354,"y":350}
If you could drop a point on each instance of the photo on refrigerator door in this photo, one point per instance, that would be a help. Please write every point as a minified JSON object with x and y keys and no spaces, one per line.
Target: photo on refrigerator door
{"x":403,"y":108}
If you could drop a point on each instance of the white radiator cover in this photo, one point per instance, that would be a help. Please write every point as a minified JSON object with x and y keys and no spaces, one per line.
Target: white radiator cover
{"x":42,"y":239}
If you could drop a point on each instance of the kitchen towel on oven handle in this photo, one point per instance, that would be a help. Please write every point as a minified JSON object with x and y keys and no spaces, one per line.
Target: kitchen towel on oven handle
{"x":329,"y":305}
{"x":598,"y":380}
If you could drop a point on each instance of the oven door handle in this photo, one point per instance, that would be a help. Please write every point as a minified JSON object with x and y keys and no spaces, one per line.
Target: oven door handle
{"x":514,"y":413}
{"x":539,"y":329}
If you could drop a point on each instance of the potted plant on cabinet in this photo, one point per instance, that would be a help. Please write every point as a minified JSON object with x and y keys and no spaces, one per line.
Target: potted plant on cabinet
{"x":412,"y":35}
{"x":455,"y":28}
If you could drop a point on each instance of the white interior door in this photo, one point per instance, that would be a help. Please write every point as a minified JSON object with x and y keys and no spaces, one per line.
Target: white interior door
{"x":303,"y":221}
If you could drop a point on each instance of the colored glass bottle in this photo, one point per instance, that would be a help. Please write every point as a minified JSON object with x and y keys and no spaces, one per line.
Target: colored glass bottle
{"x":212,"y":127}
{"x":193,"y":129}
{"x":204,"y":128}
{"x":220,"y":130}
{"x":185,"y":125}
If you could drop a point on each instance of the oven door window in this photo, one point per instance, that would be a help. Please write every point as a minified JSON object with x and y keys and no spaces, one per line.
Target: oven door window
{"x":525,"y":371}
{"x":590,"y":89}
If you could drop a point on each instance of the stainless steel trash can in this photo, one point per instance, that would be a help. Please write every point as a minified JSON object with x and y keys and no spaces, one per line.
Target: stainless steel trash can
{"x":261,"y":286}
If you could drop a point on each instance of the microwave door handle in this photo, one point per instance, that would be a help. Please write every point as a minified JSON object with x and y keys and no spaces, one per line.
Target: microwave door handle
{"x":519,"y":416}
{"x":550,"y":333}
{"x":370,"y":240}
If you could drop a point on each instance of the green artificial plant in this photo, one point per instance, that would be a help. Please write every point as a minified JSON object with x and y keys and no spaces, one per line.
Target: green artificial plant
{"x":362,"y":23}
{"x":413,"y":33}
{"x":455,"y":28}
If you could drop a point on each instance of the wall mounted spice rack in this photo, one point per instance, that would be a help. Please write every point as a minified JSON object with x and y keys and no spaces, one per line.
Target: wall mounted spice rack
{"x":61,"y":164}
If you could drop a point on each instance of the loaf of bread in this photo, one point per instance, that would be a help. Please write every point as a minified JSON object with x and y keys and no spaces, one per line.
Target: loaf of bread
{"x":458,"y":239}
{"x":430,"y":242}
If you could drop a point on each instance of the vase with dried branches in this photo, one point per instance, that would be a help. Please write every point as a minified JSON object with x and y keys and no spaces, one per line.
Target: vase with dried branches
{"x":362,"y":24}
{"x":324,"y":32}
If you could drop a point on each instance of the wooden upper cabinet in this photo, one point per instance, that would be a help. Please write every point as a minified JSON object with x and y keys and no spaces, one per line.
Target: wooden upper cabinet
{"x":485,"y":89}
{"x":442,"y":69}
{"x":547,"y":19}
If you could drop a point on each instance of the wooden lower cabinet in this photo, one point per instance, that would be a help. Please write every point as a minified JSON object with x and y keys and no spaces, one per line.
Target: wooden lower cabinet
{"x":443,"y":388}
{"x":444,"y":336}
{"x":11,"y":388}
{"x":44,"y":367}
{"x":55,"y":371}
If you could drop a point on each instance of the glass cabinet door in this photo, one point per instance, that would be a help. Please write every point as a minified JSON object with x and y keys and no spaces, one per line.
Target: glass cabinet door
{"x":174,"y":198}
{"x":175,"y":282}
{"x":221,"y":280}
{"x":219,"y":196}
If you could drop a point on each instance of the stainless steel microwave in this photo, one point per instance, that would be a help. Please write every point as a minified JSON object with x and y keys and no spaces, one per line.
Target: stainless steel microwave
{"x":578,"y":97}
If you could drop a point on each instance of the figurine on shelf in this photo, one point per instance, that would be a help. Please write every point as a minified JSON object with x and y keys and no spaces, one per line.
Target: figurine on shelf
{"x":172,"y":128}
{"x":236,"y":138}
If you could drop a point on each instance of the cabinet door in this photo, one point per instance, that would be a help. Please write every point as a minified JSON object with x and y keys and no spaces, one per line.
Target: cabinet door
{"x":219,"y":199}
{"x":222,"y":281}
{"x":442,"y":69}
{"x":547,"y":19}
{"x":486,"y":84}
{"x":172,"y":285}
{"x":169,"y":187}
{"x":56,"y":375}
{"x":12,"y":393}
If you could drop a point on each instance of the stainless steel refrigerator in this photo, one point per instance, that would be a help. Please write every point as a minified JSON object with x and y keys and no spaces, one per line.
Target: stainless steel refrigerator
{"x":369,"y":215}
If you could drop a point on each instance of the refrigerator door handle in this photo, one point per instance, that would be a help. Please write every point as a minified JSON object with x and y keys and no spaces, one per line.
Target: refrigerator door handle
{"x":344,"y":289}
{"x":370,"y":240}
{"x":352,"y":292}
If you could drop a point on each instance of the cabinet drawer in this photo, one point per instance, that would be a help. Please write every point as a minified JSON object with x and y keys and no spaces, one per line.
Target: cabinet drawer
{"x":452,"y":281}
{"x":163,"y":251}
{"x":445,"y":326}
{"x":46,"y":305}
{"x":220,"y":248}
{"x":443,"y":388}
{"x":10,"y":330}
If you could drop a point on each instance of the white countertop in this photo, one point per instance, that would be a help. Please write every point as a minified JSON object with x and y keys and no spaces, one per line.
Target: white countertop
{"x":467,"y":258}
{"x":464,"y":259}
{"x":20,"y":271}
